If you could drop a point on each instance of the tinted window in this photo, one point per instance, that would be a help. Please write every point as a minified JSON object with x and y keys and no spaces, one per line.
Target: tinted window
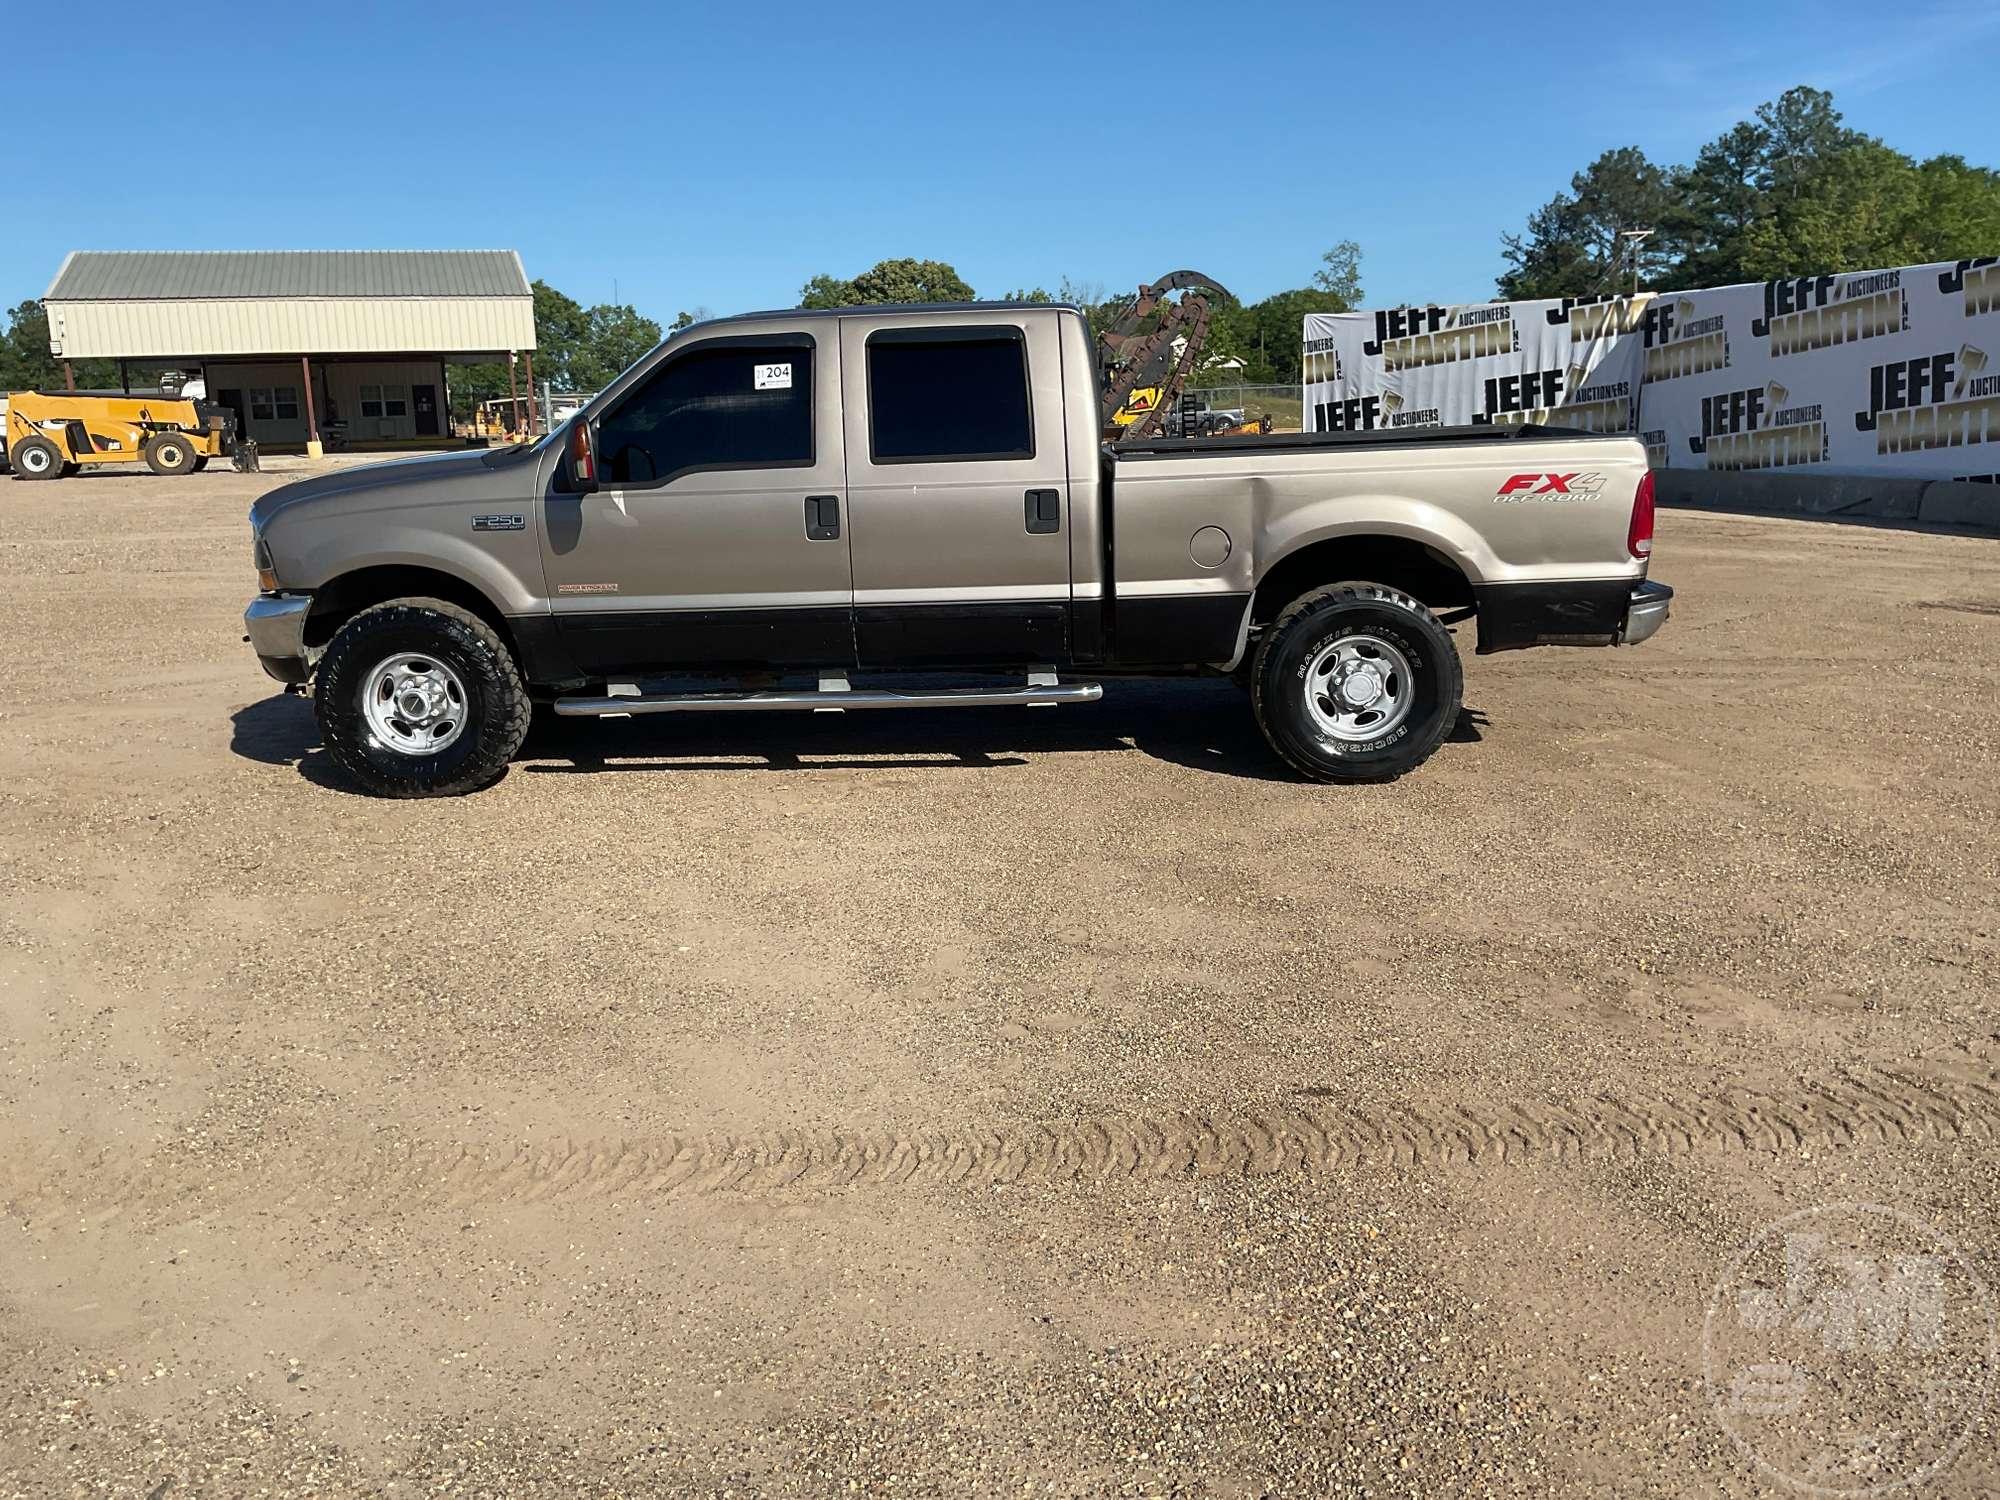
{"x":960,"y":395}
{"x":716,"y":406}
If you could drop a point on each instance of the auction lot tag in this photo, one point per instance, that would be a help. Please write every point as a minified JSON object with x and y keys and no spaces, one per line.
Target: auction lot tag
{"x":774,"y":377}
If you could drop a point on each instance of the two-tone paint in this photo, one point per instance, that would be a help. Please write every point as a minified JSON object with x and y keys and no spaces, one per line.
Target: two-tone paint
{"x":1156,"y":558}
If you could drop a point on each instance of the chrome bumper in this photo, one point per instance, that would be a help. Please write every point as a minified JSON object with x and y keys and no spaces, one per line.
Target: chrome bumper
{"x":1646,"y":613}
{"x":275,"y":626}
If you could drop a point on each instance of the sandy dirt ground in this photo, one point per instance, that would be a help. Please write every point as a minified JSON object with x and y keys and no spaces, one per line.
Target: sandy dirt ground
{"x":978,"y":1103}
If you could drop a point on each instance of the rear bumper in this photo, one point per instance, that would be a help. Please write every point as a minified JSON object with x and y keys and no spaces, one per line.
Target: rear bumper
{"x":275,"y":626}
{"x":1646,"y":613}
{"x":1597,"y":612}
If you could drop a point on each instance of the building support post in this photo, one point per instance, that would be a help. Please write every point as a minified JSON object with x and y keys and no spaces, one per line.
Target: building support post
{"x":532,"y":423}
{"x":69,"y":377}
{"x":314,"y":448}
{"x":513,"y":394}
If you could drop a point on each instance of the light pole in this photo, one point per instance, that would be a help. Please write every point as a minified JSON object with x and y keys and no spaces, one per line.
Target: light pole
{"x":1635,"y":238}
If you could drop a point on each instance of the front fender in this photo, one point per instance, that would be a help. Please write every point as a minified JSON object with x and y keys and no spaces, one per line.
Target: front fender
{"x":505,"y":566}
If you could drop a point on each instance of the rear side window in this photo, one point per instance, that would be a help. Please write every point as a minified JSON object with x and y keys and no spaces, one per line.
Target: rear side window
{"x":937,"y":394}
{"x":727,"y":405}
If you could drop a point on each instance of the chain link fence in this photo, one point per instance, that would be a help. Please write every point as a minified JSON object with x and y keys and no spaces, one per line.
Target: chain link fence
{"x":1247,"y":405}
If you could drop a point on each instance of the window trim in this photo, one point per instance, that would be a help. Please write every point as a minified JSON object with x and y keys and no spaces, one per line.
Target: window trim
{"x":790,"y":339}
{"x":273,"y":404}
{"x":382,"y":400}
{"x":954,"y":333}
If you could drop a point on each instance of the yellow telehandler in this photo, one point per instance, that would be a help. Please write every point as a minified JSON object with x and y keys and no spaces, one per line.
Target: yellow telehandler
{"x":52,"y":433}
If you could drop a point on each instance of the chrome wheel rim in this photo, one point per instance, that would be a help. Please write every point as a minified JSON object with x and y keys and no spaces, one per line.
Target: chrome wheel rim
{"x":414,"y":704}
{"x":1359,"y":688}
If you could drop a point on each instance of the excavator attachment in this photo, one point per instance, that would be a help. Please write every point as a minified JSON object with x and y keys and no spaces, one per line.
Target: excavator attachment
{"x":1147,"y":353}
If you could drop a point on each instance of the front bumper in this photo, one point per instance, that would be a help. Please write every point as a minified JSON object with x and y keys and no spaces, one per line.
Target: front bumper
{"x":275,"y":626}
{"x":1646,"y":613}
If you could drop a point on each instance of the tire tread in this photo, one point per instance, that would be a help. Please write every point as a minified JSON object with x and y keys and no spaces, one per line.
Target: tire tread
{"x":1316,"y":601}
{"x":507,"y":709}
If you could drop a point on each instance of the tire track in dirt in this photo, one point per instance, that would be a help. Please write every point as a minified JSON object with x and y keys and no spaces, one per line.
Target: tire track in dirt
{"x":1882,"y":1106}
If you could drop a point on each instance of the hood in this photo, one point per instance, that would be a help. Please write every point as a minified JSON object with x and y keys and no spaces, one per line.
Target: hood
{"x":447,"y":473}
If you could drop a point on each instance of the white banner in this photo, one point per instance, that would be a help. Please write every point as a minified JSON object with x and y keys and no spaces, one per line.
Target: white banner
{"x":1889,"y":372}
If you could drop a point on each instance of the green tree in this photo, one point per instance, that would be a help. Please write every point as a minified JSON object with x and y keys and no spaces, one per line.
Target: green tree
{"x":903,"y":280}
{"x":1274,"y":346}
{"x":1721,"y":196}
{"x":1790,"y":192}
{"x":614,"y":338}
{"x":1573,"y":248}
{"x":1339,"y":274}
{"x":27,"y":365}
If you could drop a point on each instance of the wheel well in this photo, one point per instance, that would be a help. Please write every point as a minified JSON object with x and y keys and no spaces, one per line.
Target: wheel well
{"x":341,"y":599}
{"x":1420,"y":571}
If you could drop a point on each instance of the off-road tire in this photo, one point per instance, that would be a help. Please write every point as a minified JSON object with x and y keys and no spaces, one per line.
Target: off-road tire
{"x":497,"y":704}
{"x":169,"y":453}
{"x":1305,"y":627}
{"x":35,"y":458}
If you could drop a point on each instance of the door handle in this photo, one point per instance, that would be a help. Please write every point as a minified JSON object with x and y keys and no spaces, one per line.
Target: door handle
{"x":1044,"y":511}
{"x":822,"y":518}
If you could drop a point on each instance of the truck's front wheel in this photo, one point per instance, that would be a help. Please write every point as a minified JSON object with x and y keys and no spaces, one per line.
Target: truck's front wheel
{"x":1356,"y":682}
{"x":419,"y":698}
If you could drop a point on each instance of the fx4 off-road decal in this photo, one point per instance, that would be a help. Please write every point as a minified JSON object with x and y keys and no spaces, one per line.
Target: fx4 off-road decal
{"x":1553,"y":489}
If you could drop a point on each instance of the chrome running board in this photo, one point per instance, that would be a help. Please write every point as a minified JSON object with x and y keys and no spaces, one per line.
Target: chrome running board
{"x":833,"y":696}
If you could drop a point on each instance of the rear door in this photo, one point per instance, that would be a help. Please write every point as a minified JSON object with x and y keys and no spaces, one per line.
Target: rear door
{"x":718,"y":538}
{"x":958,"y":484}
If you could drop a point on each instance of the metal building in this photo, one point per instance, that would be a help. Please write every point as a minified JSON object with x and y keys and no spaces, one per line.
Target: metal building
{"x":308,"y":346}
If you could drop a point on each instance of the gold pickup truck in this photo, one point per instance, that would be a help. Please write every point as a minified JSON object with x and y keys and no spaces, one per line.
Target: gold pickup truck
{"x":838,"y":510}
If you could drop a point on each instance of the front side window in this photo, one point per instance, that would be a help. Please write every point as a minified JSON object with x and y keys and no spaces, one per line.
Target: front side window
{"x":722,"y":405}
{"x":937,"y":394}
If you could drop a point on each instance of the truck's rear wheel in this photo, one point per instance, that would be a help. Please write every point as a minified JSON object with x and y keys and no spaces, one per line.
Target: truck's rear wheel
{"x":1356,"y":682}
{"x":35,"y":458}
{"x":169,"y":453}
{"x":419,"y":698}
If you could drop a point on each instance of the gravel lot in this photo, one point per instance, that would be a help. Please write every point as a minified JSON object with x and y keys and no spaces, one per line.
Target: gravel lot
{"x":1063,"y":1103}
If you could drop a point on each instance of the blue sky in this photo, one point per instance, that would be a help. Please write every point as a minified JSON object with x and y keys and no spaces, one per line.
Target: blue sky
{"x":718,"y":155}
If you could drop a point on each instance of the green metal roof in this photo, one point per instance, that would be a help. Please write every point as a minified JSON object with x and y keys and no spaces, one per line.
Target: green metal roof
{"x":181,"y":275}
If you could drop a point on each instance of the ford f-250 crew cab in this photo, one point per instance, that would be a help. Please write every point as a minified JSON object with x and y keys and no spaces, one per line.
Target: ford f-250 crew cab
{"x":832,"y":510}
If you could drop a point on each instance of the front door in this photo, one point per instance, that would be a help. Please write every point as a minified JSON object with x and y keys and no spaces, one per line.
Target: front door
{"x":719,"y":538}
{"x":424,"y":408}
{"x":959,"y":481}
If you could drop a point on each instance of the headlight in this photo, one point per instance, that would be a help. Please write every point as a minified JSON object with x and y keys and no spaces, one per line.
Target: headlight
{"x":267,"y":572}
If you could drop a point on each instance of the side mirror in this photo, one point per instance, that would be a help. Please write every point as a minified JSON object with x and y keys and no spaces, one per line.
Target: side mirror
{"x":582,"y":456}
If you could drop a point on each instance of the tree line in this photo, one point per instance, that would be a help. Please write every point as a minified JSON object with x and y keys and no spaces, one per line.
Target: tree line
{"x":1790,"y":192}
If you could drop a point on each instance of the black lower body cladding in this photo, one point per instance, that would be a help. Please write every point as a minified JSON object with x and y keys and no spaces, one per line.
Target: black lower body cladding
{"x":1177,"y":629}
{"x":1516,"y":615}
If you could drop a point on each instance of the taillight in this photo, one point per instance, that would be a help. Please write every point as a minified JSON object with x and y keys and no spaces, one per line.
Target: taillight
{"x":1639,"y":535}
